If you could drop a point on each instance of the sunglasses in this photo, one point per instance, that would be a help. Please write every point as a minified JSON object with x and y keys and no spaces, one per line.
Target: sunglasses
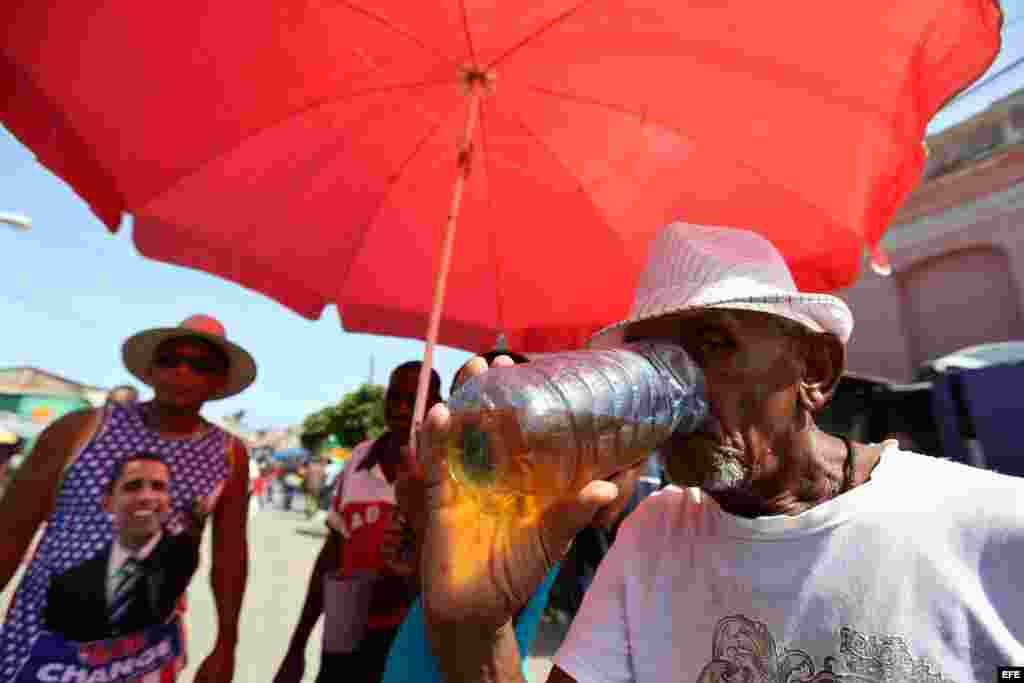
{"x":203,"y":365}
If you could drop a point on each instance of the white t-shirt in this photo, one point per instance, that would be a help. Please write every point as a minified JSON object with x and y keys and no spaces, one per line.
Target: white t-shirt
{"x":916,"y":575}
{"x":361,"y":512}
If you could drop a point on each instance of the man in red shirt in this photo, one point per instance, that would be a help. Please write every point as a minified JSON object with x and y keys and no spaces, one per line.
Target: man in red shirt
{"x":360,"y":582}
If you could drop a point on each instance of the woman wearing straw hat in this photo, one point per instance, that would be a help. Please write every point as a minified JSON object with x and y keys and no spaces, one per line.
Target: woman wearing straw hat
{"x":63,"y":480}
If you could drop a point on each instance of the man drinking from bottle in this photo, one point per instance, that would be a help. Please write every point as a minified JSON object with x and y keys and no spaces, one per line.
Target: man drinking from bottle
{"x":782,"y":552}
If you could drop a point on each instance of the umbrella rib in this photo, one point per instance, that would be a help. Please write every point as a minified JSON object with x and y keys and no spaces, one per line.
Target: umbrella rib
{"x":738,"y":162}
{"x":760,"y":174}
{"x":400,"y":31}
{"x":558,"y":160}
{"x":852,"y":102}
{"x":644,"y":119}
{"x":312,"y":106}
{"x":572,"y":97}
{"x":303,"y":174}
{"x":373,"y":91}
{"x":465,"y":28}
{"x":392,"y":182}
{"x":542,"y":29}
{"x":495,"y":261}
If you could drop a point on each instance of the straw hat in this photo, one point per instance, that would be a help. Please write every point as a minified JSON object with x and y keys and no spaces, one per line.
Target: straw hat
{"x":697,"y":266}
{"x":138,"y":351}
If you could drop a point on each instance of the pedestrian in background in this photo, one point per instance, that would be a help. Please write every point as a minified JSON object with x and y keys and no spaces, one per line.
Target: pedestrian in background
{"x":257,"y":484}
{"x":78,"y":456}
{"x":316,"y":476}
{"x":410,"y":659}
{"x":10,"y":448}
{"x":361,"y":582}
{"x":292,"y":481}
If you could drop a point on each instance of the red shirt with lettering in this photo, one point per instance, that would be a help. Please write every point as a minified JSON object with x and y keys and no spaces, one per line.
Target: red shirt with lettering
{"x":362,"y":512}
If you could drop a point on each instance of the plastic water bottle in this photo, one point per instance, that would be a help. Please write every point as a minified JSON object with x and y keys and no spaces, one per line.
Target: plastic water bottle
{"x":523,"y":436}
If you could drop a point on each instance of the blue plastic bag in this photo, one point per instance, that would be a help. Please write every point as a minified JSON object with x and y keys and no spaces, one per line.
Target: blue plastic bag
{"x":411,"y":661}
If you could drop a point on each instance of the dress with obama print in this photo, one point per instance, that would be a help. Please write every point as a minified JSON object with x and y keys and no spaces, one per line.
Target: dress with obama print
{"x":79,"y":528}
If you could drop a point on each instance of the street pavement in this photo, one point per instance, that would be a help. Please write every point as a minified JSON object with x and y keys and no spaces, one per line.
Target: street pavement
{"x":282,"y":549}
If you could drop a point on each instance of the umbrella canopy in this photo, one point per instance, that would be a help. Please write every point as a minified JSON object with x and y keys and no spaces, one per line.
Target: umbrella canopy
{"x":308,"y":150}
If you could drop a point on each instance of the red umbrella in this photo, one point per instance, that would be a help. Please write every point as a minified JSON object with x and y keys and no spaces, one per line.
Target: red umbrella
{"x":307,"y":150}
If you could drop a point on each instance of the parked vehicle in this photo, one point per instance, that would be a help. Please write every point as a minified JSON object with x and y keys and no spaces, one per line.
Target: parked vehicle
{"x":964,"y":407}
{"x":973,"y":358}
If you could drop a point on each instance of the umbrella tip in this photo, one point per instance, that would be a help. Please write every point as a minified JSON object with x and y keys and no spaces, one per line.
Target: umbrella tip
{"x":880,"y":261}
{"x":473,"y":77}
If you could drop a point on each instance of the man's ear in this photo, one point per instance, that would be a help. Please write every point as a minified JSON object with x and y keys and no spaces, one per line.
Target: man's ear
{"x":824,"y":357}
{"x":106,"y":503}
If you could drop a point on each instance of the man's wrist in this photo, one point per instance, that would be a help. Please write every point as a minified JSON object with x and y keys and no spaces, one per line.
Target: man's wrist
{"x":470,"y":654}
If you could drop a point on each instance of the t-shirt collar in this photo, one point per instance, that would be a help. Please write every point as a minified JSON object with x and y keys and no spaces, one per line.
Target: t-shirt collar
{"x":829,"y":514}
{"x":374,"y":457}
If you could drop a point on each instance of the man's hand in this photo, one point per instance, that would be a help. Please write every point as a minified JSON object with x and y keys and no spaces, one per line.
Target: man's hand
{"x":625,"y":481}
{"x":402,"y":542}
{"x":219,"y":666}
{"x":410,"y":493}
{"x":399,"y":549}
{"x":477,"y":569}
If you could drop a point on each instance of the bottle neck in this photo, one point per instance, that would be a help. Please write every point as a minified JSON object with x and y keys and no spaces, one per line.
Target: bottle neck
{"x":675,"y":365}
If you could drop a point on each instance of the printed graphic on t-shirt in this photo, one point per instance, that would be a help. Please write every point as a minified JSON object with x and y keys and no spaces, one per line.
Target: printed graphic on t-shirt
{"x":364,"y":526}
{"x":745,"y":650}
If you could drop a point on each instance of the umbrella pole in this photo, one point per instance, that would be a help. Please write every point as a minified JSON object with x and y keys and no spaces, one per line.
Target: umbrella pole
{"x":441,"y":281}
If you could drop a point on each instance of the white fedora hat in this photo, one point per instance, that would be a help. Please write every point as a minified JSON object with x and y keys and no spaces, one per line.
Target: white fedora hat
{"x":697,"y":266}
{"x":137,"y":352}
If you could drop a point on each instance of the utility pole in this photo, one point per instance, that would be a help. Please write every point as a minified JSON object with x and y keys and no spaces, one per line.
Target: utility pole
{"x":370,"y":380}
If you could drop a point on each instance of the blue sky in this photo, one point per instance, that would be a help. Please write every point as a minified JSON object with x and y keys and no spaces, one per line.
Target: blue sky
{"x":1006,"y":75}
{"x":73,"y":292}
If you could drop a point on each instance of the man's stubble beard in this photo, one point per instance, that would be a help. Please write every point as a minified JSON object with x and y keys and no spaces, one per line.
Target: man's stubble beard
{"x":714,"y":469}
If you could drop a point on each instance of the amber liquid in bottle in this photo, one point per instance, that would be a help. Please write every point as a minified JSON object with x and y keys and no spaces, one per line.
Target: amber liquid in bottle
{"x":509,"y":473}
{"x":523,"y":437}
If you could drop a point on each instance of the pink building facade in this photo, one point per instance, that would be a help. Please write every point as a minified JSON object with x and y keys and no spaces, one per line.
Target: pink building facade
{"x":957,"y":253}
